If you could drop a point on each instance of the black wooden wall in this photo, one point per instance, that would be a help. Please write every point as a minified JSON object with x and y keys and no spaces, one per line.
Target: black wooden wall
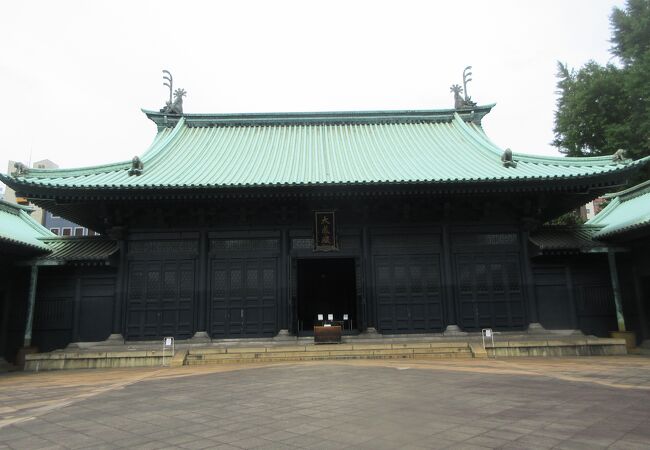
{"x":14,"y":281}
{"x":73,"y":304}
{"x":232,"y":272}
{"x":242,"y":282}
{"x":575,"y":292}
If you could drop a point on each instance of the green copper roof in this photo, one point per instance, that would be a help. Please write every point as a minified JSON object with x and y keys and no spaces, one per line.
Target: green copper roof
{"x":566,"y":239}
{"x":298,"y":149}
{"x":628,"y":210}
{"x":72,"y":248}
{"x":17,"y":228}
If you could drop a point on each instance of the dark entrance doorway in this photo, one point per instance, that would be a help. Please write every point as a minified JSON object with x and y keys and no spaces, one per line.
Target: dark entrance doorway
{"x":326,"y":286}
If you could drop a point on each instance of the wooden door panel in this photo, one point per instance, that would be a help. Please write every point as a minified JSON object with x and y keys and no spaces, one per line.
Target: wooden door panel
{"x":408,"y":291}
{"x":160,"y":299}
{"x":489,"y":291}
{"x":243,"y":297}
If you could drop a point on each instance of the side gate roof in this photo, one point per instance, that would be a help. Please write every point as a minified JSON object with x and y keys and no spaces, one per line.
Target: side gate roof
{"x":19,"y":233}
{"x":627,"y":212}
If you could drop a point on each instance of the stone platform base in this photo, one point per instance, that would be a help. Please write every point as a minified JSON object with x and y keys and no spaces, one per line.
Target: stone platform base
{"x":149,"y":354}
{"x":558,"y":347}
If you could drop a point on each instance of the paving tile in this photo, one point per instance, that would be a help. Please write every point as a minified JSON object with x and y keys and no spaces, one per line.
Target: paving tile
{"x":487,"y":441}
{"x":622,"y":444}
{"x":133,"y":441}
{"x":151,"y":445}
{"x":304,"y":428}
{"x":198,"y":444}
{"x":503,"y":435}
{"x":453,"y":435}
{"x":434,"y":443}
{"x":576,"y":445}
{"x":278,"y":436}
{"x":356,"y":405}
{"x":30,"y":442}
{"x":250,"y":442}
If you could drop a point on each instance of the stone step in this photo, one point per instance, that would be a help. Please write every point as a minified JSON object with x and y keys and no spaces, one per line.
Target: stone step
{"x":379,"y":352}
{"x":151,"y":356}
{"x":299,"y":357}
{"x":324,"y":352}
{"x":337,"y":347}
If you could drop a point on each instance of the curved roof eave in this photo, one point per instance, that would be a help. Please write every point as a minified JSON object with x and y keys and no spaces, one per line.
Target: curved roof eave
{"x":627,"y":211}
{"x":17,"y":227}
{"x":468,"y":139}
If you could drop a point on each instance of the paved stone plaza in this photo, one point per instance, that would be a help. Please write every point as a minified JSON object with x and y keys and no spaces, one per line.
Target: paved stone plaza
{"x":581,"y":403}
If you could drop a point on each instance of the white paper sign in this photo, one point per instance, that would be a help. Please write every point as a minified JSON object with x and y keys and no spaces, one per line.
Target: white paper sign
{"x":168,"y":342}
{"x":345,"y":317}
{"x":320,"y":317}
{"x":488,"y":332}
{"x":330,"y":317}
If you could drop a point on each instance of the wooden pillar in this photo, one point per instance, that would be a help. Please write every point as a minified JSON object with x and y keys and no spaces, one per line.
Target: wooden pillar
{"x":202,"y":300}
{"x":284,"y":313}
{"x":620,"y":319}
{"x":76,"y":315}
{"x":641,"y":311}
{"x":367,"y":316}
{"x":31,"y":301}
{"x":573,"y":310}
{"x":120,"y":291}
{"x":529,"y":283}
{"x":5,"y":305}
{"x":448,"y":277}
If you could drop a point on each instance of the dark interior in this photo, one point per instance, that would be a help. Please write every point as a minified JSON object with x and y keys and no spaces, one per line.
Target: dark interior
{"x":326,"y":286}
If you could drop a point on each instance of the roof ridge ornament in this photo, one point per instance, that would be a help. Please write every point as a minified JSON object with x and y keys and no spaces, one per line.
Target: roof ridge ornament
{"x":506,"y":159}
{"x":460,"y":102}
{"x":175,"y":107}
{"x":620,"y":156}
{"x":21,"y":169}
{"x":137,"y":167}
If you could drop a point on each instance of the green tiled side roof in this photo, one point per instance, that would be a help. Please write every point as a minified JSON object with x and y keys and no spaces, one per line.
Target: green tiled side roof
{"x":553,"y":239}
{"x":86,"y":248}
{"x":627,"y":211}
{"x":298,"y":149}
{"x":19,"y":229}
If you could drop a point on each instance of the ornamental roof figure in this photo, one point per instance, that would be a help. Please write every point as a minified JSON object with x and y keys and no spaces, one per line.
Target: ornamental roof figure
{"x":460,"y":102}
{"x":175,"y":107}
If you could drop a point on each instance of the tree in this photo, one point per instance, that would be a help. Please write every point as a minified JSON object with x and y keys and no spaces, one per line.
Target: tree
{"x":604,"y":108}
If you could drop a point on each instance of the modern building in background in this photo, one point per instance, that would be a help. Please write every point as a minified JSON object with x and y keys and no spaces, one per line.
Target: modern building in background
{"x":591,"y":209}
{"x":63,"y":227}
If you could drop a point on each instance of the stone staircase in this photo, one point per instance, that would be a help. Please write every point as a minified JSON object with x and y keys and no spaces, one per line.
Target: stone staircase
{"x":312,"y":352}
{"x":148,"y":354}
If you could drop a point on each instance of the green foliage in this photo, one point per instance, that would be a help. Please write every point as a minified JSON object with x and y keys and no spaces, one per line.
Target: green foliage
{"x":631,"y":31}
{"x":604,"y":108}
{"x":571,"y":218}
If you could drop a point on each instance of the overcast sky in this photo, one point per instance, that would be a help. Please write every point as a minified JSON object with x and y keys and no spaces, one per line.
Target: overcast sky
{"x":74,"y":74}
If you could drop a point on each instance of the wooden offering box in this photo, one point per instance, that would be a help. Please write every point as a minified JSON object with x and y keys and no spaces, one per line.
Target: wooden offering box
{"x":327,"y":334}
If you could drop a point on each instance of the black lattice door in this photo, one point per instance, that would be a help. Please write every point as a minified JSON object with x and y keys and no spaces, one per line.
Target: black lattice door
{"x":408,"y":292}
{"x":243,"y":296}
{"x":160,"y":299}
{"x":489,"y":291}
